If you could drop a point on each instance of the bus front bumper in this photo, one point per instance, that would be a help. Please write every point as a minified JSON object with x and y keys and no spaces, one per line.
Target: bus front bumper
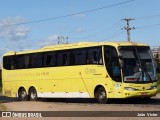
{"x":144,"y":93}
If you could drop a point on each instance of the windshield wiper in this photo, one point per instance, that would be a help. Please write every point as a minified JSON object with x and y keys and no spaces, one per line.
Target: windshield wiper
{"x":148,"y":76}
{"x":139,"y":76}
{"x":142,"y":77}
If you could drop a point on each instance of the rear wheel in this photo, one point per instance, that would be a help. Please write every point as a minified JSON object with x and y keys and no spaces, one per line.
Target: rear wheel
{"x":22,"y":94}
{"x":33,"y":94}
{"x":101,"y":95}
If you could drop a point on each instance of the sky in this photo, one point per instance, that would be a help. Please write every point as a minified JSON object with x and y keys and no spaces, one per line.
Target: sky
{"x":99,"y":25}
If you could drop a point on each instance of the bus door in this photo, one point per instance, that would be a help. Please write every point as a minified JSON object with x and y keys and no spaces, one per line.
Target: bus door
{"x":113,"y":69}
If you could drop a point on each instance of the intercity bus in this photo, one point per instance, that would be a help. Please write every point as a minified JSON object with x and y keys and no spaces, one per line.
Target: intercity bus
{"x":100,"y":70}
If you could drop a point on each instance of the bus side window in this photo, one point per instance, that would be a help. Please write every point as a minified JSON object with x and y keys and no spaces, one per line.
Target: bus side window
{"x":80,"y":57}
{"x":20,"y":62}
{"x":13,"y":62}
{"x":26,"y":61}
{"x":59,"y":59}
{"x":72,"y":57}
{"x":65,"y":59}
{"x":94,"y":55}
{"x":91,"y":56}
{"x":100,"y":60}
{"x":112,"y":63}
{"x":7,"y":62}
{"x":36,"y":60}
{"x":47,"y":60}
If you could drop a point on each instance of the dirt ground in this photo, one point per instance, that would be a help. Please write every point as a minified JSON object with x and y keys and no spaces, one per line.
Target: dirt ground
{"x":82,"y":105}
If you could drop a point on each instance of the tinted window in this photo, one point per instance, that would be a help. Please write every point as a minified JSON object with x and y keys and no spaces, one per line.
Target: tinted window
{"x":80,"y":58}
{"x":94,"y":55}
{"x":72,"y":57}
{"x":26,"y":61}
{"x":66,"y":58}
{"x":19,"y":61}
{"x":112,"y":63}
{"x":36,"y":60}
{"x":49,"y":59}
{"x":59,"y":59}
{"x":7,"y":62}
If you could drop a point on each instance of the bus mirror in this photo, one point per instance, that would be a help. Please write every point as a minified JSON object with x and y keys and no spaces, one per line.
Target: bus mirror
{"x":121,"y":63}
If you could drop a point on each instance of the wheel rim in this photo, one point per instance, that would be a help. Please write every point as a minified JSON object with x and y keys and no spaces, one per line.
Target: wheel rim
{"x":33,"y":95}
{"x":102,"y":96}
{"x":23,"y":94}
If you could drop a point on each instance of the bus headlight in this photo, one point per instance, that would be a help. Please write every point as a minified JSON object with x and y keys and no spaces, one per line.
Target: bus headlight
{"x":129,"y":88}
{"x":152,"y":87}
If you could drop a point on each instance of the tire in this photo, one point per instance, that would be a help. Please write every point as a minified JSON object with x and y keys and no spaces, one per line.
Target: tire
{"x":33,"y":94}
{"x":147,"y":98}
{"x":22,"y":94}
{"x":101,"y":96}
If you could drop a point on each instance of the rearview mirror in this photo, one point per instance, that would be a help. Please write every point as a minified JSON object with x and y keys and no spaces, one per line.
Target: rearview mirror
{"x":121,"y":61}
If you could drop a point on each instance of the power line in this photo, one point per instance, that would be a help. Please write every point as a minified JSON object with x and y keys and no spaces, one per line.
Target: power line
{"x":72,"y":14}
{"x":108,"y":38}
{"x":102,"y":32}
{"x":104,"y":37}
{"x":148,"y":26}
{"x":145,"y":17}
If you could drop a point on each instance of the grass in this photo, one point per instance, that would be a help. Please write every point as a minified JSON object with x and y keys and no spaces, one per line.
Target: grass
{"x":2,"y":107}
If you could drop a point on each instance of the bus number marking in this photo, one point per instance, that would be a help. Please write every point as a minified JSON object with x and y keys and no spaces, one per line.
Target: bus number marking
{"x":90,"y":71}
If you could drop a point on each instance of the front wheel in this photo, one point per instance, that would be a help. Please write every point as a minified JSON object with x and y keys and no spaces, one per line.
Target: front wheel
{"x":147,"y":98}
{"x":101,"y":95}
{"x":33,"y":94}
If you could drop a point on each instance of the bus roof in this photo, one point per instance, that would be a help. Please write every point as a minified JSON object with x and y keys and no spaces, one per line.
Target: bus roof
{"x":77,"y":45}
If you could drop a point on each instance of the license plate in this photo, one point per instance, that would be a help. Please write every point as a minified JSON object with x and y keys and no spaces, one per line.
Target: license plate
{"x":144,"y":93}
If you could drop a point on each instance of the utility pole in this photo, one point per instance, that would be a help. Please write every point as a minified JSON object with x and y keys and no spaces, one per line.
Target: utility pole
{"x":128,"y":28}
{"x":61,"y":39}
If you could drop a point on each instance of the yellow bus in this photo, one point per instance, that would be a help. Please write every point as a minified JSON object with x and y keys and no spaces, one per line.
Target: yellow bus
{"x":98,"y":70}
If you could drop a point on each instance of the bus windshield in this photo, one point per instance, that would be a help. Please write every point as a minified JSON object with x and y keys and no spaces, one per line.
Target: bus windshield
{"x":137,"y":64}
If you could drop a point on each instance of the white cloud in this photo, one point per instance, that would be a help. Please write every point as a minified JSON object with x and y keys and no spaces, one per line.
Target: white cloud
{"x":79,"y":30}
{"x":11,"y":32}
{"x":50,"y":40}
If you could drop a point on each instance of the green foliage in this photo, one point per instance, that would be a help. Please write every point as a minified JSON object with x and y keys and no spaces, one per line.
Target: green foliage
{"x":0,"y":78}
{"x":158,"y":79}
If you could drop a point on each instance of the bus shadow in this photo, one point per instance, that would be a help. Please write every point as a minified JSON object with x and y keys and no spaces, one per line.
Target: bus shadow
{"x":152,"y":101}
{"x":4,"y":99}
{"x":68,"y":100}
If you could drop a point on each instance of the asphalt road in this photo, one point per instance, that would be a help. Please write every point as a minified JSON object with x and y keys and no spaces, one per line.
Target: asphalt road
{"x":137,"y":105}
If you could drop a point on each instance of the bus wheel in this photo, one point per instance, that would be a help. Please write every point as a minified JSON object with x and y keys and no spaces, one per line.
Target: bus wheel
{"x":32,"y":94}
{"x":22,"y":94}
{"x":101,"y":95}
{"x":147,"y":98}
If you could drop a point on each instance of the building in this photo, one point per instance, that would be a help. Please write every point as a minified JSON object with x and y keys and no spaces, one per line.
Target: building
{"x":156,"y":55}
